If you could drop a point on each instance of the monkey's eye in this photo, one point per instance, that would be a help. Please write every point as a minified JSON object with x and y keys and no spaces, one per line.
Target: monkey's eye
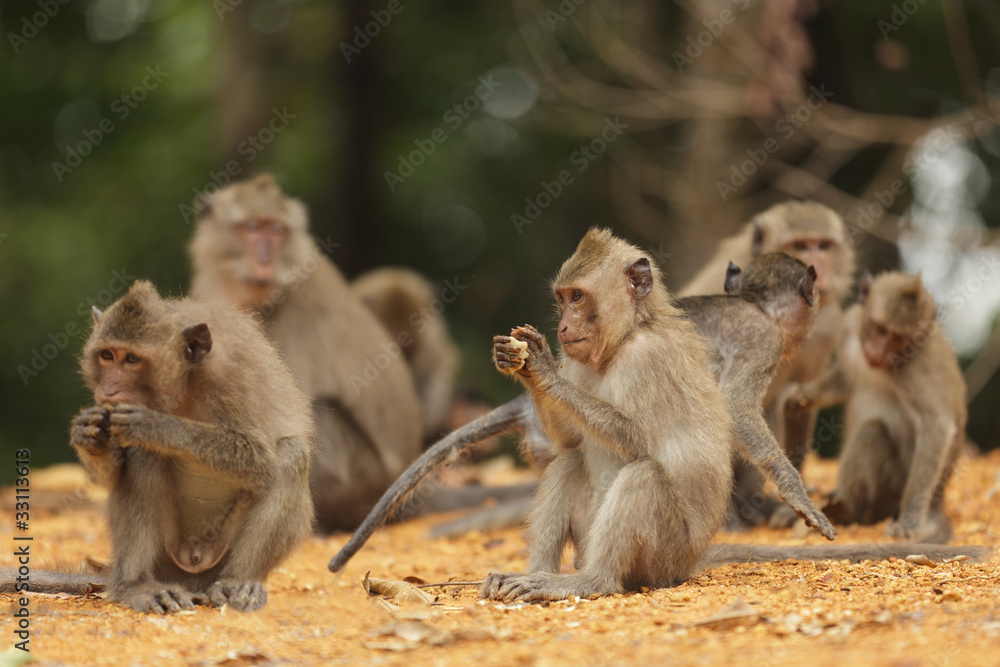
{"x":825,"y":244}
{"x":800,"y":246}
{"x":880,"y":330}
{"x":277,"y":229}
{"x":106,"y":355}
{"x":559,"y":298}
{"x":131,"y":358}
{"x":576,"y":296}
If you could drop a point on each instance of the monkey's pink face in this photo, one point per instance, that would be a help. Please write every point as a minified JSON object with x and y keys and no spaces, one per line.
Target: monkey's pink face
{"x":122,"y":374}
{"x":578,"y":332}
{"x":881,"y":344}
{"x":820,"y":251}
{"x":262,"y":239}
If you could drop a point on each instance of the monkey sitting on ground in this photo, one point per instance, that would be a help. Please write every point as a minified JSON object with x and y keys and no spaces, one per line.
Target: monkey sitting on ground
{"x":405,"y":304}
{"x":906,"y":412}
{"x":252,"y":248}
{"x":202,"y":437}
{"x":816,"y":235}
{"x":641,"y":437}
{"x":756,"y":326}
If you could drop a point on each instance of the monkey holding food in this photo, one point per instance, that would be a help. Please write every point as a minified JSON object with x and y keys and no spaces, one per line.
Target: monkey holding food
{"x":202,"y":437}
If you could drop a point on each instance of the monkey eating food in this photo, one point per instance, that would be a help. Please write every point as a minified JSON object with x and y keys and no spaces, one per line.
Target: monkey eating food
{"x":203,"y":438}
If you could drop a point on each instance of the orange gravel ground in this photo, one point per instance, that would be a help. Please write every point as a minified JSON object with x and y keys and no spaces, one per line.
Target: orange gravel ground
{"x":797,"y":613}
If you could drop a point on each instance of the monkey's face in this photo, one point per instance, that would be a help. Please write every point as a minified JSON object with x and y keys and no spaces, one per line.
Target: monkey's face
{"x":122,"y":376}
{"x":882,"y":344}
{"x":262,"y":239}
{"x":818,"y":251}
{"x":578,"y":332}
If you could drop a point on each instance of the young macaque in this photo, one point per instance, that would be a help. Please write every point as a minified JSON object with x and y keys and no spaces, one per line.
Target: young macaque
{"x":252,"y":248}
{"x":757,"y":325}
{"x":202,"y":437}
{"x":642,"y":437}
{"x":816,"y":235}
{"x":405,"y":304}
{"x":906,"y":412}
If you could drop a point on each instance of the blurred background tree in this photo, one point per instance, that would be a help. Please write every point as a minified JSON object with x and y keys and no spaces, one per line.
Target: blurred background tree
{"x":433,"y":134}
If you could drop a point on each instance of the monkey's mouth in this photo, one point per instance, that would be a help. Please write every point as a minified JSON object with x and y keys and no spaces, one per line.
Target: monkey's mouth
{"x":573,"y":342}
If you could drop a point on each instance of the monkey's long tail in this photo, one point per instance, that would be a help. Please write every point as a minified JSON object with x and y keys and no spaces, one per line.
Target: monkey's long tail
{"x":504,"y":418}
{"x":46,"y":581}
{"x":724,"y":554}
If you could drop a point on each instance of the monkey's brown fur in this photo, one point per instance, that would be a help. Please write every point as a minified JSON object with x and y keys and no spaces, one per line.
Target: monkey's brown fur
{"x":761,"y":322}
{"x":816,"y":235}
{"x":641,"y":475}
{"x":906,"y":411}
{"x":252,"y":247}
{"x":404,"y":302}
{"x":202,"y":437}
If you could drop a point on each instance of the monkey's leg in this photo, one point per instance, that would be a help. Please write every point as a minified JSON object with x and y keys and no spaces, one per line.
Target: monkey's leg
{"x":272,"y":525}
{"x":551,"y":521}
{"x":136,"y":518}
{"x":870,"y":478}
{"x":639,"y":537}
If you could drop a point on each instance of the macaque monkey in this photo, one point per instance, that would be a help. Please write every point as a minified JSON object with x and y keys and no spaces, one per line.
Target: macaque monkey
{"x":203,"y":438}
{"x":760,"y":323}
{"x":816,"y":235}
{"x":906,"y":412}
{"x":404,"y":302}
{"x":252,"y":247}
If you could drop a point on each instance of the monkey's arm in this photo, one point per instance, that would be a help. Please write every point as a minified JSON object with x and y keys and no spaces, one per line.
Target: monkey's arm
{"x":242,"y":455}
{"x":743,"y":385}
{"x":563,"y":403}
{"x":89,"y":435}
{"x":934,"y":433}
{"x":832,"y":387}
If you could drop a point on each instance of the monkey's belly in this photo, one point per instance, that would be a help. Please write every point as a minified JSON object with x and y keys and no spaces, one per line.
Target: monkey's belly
{"x":208,"y":513}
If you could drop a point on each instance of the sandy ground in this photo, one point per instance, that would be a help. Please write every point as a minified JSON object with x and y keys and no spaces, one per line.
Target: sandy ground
{"x":789,"y":613}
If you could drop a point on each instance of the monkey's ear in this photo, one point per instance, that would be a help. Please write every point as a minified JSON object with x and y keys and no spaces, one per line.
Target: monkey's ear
{"x":96,"y":314}
{"x":757,"y":243}
{"x":864,"y":286}
{"x":198,"y":342}
{"x":733,"y":281}
{"x":808,"y":284}
{"x":640,"y":278}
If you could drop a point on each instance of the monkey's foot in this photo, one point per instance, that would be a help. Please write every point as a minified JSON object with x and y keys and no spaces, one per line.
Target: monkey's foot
{"x":539,"y":586}
{"x":240,"y":595}
{"x":157,"y":598}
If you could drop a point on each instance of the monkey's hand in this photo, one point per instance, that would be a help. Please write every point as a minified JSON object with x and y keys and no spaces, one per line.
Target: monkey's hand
{"x":795,"y":399}
{"x":540,"y":363}
{"x":90,"y":431}
{"x":132,"y":425}
{"x":509,"y":354}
